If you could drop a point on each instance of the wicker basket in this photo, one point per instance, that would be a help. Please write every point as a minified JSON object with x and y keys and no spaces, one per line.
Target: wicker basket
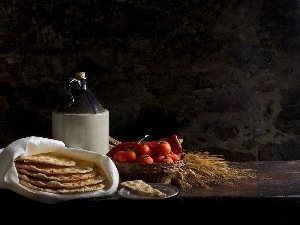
{"x":150,"y":173}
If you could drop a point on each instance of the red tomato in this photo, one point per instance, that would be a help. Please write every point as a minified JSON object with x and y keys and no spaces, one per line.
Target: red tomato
{"x":127,"y":156}
{"x":145,"y":159}
{"x":174,"y":156}
{"x":142,"y":148}
{"x":162,"y":148}
{"x":116,"y":156}
{"x":163,"y":159}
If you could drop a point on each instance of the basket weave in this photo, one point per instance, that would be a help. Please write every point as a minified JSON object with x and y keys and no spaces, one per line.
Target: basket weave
{"x":150,"y":173}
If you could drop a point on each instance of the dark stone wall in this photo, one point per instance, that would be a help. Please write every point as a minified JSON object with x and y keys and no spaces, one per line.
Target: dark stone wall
{"x":222,"y":75}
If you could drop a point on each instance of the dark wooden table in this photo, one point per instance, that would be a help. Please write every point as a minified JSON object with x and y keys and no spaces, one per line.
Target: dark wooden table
{"x":273,"y":196}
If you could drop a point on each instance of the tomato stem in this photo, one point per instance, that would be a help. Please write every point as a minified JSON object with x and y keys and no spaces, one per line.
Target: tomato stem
{"x":142,"y":139}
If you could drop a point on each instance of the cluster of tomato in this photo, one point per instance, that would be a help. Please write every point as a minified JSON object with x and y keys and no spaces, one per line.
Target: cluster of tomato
{"x":157,"y":152}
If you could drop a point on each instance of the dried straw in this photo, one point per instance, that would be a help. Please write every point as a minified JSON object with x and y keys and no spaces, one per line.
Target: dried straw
{"x":113,"y":141}
{"x":202,"y":169}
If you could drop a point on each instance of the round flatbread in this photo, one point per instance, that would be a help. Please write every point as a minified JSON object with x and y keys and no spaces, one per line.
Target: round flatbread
{"x":52,"y":169}
{"x":57,"y":173}
{"x":58,"y":184}
{"x":93,"y":187}
{"x":50,"y":158}
{"x":59,"y":177}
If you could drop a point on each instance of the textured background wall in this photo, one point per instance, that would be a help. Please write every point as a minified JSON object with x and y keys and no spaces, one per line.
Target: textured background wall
{"x":222,"y":75}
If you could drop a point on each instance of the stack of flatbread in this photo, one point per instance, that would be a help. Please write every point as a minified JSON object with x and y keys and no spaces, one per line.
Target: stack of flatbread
{"x":56,"y":173}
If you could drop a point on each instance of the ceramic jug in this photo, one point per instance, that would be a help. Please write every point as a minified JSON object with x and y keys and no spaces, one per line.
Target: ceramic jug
{"x":81,"y":121}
